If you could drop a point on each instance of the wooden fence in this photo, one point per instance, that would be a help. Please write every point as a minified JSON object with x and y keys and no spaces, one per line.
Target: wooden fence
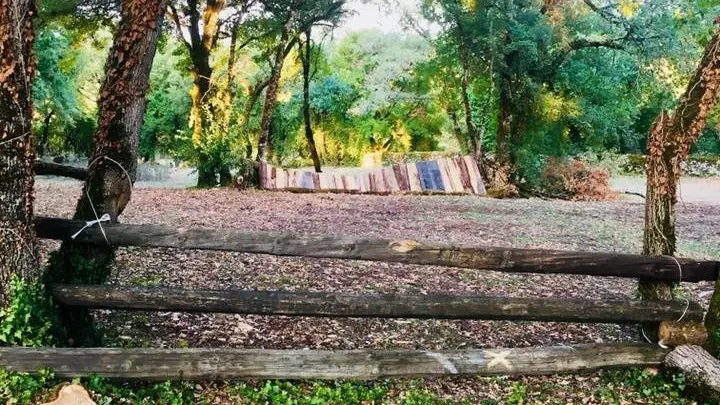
{"x":458,"y":175}
{"x":163,"y":364}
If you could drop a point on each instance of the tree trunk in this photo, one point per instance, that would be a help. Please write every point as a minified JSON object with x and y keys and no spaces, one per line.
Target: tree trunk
{"x":305,"y":56}
{"x":669,"y":142}
{"x":18,"y":244}
{"x":201,"y":113}
{"x":272,"y":89}
{"x":113,"y":159}
{"x":44,"y":138}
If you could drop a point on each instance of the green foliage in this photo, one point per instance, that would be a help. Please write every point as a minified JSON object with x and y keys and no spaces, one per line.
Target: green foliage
{"x":23,"y":388}
{"x":649,"y":387}
{"x":164,"y":393}
{"x":168,"y":106}
{"x":27,"y":320}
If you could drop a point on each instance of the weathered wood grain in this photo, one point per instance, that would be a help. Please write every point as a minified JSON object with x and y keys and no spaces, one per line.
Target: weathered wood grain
{"x":445,"y":175}
{"x":440,"y":306}
{"x":400,"y":251}
{"x":391,"y":183}
{"x":464,"y":174}
{"x":229,"y":364}
{"x":401,"y":176}
{"x":475,"y":177}
{"x":701,"y":369}
{"x":413,"y":178}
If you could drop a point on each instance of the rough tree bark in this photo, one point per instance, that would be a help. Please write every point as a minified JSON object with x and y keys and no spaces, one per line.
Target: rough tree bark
{"x":17,"y":236}
{"x":113,"y":158}
{"x":305,"y":57}
{"x":668,"y":144}
{"x":202,"y":41}
{"x":272,"y":88}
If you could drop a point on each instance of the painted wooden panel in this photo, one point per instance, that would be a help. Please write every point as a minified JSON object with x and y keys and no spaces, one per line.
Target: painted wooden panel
{"x":454,"y":174}
{"x":430,"y":177}
{"x":451,"y":175}
{"x":475,"y":177}
{"x":413,"y":177}
{"x":401,"y":177}
{"x":464,"y":175}
{"x":391,"y":182}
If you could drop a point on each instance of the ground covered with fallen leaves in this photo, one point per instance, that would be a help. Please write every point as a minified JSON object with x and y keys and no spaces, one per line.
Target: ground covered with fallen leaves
{"x":608,"y":226}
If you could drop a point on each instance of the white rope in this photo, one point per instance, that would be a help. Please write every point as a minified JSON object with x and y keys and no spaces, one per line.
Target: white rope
{"x":687,"y":304}
{"x":88,"y":224}
{"x":687,"y":301}
{"x":106,"y":217}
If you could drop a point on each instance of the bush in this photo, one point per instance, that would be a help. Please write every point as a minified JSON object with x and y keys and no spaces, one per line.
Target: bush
{"x":574,"y":180}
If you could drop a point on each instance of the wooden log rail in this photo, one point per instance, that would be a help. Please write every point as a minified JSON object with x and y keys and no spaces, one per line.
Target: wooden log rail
{"x":229,"y":364}
{"x":401,"y":251}
{"x":440,"y":306}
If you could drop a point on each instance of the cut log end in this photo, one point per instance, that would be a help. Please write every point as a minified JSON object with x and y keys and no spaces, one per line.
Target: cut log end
{"x":682,"y":333}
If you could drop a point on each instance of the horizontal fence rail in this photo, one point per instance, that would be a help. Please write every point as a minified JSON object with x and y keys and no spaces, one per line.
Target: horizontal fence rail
{"x":440,"y":306}
{"x":228,"y":364}
{"x":401,"y":251}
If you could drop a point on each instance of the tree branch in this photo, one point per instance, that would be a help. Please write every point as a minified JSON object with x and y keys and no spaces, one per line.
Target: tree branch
{"x":54,"y":169}
{"x":178,"y":27}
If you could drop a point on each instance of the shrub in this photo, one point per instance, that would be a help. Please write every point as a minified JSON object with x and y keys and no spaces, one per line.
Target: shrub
{"x":574,"y":180}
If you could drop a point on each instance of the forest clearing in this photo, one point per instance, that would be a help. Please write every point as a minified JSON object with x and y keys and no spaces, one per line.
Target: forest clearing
{"x":359,"y":202}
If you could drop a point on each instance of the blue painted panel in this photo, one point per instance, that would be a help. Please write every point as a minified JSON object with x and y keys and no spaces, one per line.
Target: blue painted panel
{"x":306,"y":181}
{"x":430,"y":178}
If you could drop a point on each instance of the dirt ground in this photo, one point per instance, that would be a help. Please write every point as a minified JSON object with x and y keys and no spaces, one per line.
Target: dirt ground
{"x":608,"y":226}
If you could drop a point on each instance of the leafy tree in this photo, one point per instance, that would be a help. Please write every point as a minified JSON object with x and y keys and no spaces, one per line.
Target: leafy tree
{"x":54,"y":92}
{"x":168,"y":106}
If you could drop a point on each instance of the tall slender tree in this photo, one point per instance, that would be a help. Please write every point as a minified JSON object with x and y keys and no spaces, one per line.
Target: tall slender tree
{"x":17,"y":236}
{"x":198,"y":24}
{"x":305,"y":52}
{"x":293,"y":17}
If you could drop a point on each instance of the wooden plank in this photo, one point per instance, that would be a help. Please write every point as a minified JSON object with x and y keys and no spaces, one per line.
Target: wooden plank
{"x":351,"y":183}
{"x":454,"y":174}
{"x":339,"y":182}
{"x":273,"y":177}
{"x":388,"y":250}
{"x":402,"y":177}
{"x":282,"y":179}
{"x":439,"y":306}
{"x":475,"y":176}
{"x":413,"y":178}
{"x":229,"y":364}
{"x":325,"y":181}
{"x":315,"y":180}
{"x":464,"y":175}
{"x":391,"y":183}
{"x":445,"y":175}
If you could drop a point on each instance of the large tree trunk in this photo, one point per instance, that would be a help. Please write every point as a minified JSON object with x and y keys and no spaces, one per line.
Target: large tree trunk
{"x":201,"y":113}
{"x":18,"y":253}
{"x":272,"y":89}
{"x":305,"y":56}
{"x":669,"y":142}
{"x":113,"y":159}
